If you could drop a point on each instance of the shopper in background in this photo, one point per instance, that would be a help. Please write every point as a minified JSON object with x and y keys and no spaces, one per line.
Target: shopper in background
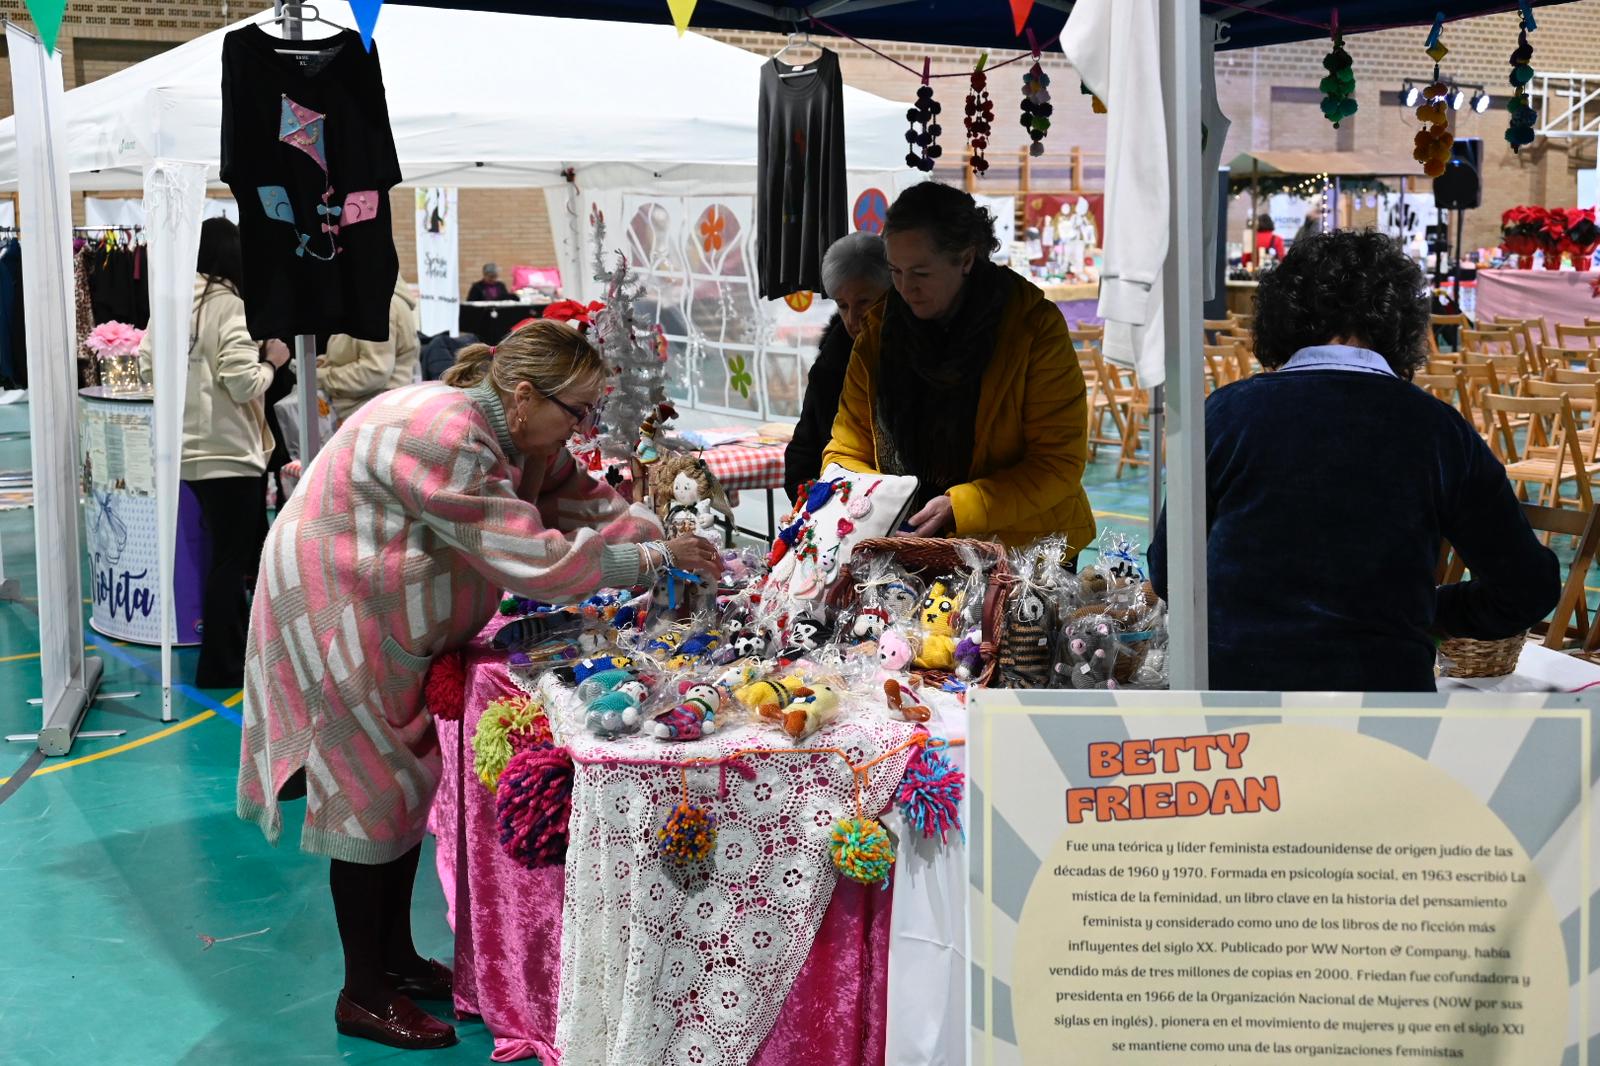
{"x":394,"y":548}
{"x":1267,"y":241}
{"x":1331,"y":483}
{"x":967,"y":379}
{"x":855,"y":274}
{"x":1311,"y":226}
{"x":351,"y":372}
{"x":489,"y":287}
{"x":226,"y":445}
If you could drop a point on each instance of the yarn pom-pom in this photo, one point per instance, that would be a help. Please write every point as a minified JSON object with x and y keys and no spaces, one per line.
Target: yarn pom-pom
{"x":444,"y":690}
{"x":930,"y":794}
{"x":689,"y":835}
{"x":506,"y":725}
{"x":533,"y":805}
{"x":862,"y":850}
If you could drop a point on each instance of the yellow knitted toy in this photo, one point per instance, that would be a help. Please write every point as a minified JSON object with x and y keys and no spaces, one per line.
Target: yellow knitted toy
{"x":938,"y":635}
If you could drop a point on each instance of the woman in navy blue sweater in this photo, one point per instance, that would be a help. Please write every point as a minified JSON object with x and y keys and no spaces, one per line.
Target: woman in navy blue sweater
{"x":1331,"y":482}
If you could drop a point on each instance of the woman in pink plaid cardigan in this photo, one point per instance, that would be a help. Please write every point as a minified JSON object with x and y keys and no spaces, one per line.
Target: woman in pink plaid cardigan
{"x":394,"y":548}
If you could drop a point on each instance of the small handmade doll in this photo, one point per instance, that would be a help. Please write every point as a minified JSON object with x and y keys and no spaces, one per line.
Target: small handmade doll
{"x":775,"y":693}
{"x":807,"y":713}
{"x":1024,"y":653}
{"x":938,"y":650}
{"x":1090,"y":652}
{"x":692,"y":719}
{"x":616,"y":709}
{"x":808,"y":632}
{"x":895,"y":653}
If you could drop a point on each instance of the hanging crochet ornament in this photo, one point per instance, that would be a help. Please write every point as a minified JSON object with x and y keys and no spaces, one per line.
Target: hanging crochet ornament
{"x":1519,"y":132}
{"x":930,"y":794}
{"x":1036,"y":106}
{"x":1433,"y":143}
{"x":533,"y":806}
{"x":1339,"y":86}
{"x":924,"y":142}
{"x":444,"y":690}
{"x":508,"y":725}
{"x":862,"y":850}
{"x":689,"y":835}
{"x":979,"y":117}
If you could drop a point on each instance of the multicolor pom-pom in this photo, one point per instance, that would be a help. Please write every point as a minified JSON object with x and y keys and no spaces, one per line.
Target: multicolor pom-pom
{"x":533,"y":805}
{"x":1519,"y":131}
{"x":930,"y":794}
{"x":508,"y":725}
{"x":979,"y":121}
{"x":862,"y":850}
{"x":444,"y":690}
{"x":1036,"y":107}
{"x":1339,"y":86}
{"x":689,"y":835}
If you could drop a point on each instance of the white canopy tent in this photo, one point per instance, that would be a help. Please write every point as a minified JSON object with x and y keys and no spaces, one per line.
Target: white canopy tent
{"x":476,"y":99}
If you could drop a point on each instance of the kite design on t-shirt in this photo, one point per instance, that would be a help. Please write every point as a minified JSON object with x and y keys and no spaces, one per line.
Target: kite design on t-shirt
{"x":305,"y":129}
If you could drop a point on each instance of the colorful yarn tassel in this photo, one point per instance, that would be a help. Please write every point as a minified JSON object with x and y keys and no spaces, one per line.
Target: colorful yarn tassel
{"x":444,"y":690}
{"x":930,"y":795}
{"x":533,"y":806}
{"x":689,"y":835}
{"x":862,"y":850}
{"x":504,"y":719}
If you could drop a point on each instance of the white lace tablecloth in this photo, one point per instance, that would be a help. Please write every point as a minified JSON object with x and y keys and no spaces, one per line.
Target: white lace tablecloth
{"x":690,"y":967}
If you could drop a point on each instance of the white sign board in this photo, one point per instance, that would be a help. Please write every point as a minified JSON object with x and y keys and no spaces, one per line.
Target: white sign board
{"x":438,"y":261}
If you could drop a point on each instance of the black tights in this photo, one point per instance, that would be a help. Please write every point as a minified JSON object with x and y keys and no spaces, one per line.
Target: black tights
{"x":372,"y":905}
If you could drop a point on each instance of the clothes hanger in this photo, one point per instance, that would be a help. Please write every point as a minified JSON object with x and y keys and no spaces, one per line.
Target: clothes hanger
{"x":304,"y":13}
{"x":806,"y":41}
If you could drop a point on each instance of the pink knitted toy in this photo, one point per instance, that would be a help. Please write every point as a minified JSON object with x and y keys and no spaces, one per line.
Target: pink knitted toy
{"x":895,"y":654}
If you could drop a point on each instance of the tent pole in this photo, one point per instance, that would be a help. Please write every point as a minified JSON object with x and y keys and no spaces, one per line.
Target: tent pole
{"x":305,"y":346}
{"x":1185,"y":392}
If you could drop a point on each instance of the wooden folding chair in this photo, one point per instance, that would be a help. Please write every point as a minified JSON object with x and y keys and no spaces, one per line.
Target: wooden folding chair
{"x":1220,"y":367}
{"x":1511,"y":369}
{"x":1134,"y":406}
{"x":1533,"y":330}
{"x":1588,"y":335}
{"x":1446,"y":322}
{"x":1102,"y":403}
{"x":1215,"y":328}
{"x":1444,"y":386}
{"x":1584,"y":399}
{"x":1476,"y":381}
{"x":1572,"y":377}
{"x":1550,"y":424}
{"x":1555,"y":357}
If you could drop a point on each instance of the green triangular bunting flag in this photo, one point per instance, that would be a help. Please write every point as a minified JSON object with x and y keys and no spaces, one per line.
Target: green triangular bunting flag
{"x":47,"y":16}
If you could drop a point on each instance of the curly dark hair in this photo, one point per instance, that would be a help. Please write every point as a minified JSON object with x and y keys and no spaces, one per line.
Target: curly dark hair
{"x":1360,"y":286}
{"x":954,"y":220}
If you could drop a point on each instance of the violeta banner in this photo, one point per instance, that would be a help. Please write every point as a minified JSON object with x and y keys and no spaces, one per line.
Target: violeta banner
{"x":1174,"y":878}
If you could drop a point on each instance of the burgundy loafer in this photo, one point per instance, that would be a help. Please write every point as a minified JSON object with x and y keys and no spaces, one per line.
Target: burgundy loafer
{"x":435,"y":982}
{"x":402,"y":1024}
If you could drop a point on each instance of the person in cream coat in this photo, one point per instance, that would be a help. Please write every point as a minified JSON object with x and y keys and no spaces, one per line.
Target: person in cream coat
{"x":226,"y":444}
{"x":352,"y":372}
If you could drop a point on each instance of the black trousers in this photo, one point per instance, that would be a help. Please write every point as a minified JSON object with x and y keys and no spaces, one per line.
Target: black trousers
{"x":234,"y":513}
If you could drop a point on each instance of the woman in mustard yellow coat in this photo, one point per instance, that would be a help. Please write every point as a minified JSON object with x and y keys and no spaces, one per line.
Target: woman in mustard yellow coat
{"x":966,"y":378}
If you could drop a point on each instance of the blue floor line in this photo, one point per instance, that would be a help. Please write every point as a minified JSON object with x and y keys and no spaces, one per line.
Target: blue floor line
{"x":189,"y":691}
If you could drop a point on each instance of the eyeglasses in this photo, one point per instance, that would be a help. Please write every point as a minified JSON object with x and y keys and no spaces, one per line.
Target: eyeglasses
{"x":585,"y":418}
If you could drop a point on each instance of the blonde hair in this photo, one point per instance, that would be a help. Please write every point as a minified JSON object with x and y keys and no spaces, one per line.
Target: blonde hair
{"x":551,"y":356}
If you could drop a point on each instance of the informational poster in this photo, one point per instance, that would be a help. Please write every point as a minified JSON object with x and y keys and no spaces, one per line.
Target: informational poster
{"x":1407,"y":219}
{"x":1158,"y":879}
{"x":438,"y":261}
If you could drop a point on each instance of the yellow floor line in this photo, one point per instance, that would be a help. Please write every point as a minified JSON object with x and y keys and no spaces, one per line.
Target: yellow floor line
{"x":178,"y":727}
{"x":1120,"y":514}
{"x":35,"y":655}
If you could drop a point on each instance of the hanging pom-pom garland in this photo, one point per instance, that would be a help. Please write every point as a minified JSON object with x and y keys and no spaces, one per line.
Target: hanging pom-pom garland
{"x":1036,"y":107}
{"x":924,"y":142}
{"x":533,"y":806}
{"x":862,"y":851}
{"x":1519,"y":132}
{"x":508,"y":725}
{"x":979,"y":117}
{"x":930,"y":794}
{"x":1339,"y":86}
{"x":1433,"y":143}
{"x":444,"y":690}
{"x":689,"y":835}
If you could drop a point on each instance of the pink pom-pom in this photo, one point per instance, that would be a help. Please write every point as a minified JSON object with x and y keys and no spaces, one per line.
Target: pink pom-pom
{"x":930,"y":794}
{"x":444,"y":690}
{"x":533,"y":804}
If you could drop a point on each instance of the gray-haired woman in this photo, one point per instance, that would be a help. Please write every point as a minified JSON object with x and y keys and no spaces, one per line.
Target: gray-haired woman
{"x":855,"y":272}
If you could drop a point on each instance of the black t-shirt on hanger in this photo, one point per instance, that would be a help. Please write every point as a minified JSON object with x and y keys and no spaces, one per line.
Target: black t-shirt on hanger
{"x":802,"y":204}
{"x":308,"y":152}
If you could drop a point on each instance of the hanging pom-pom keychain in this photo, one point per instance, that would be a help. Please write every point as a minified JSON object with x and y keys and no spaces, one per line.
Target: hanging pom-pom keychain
{"x":979,"y":117}
{"x":924,"y":142}
{"x":1339,"y":86}
{"x":1519,"y":132}
{"x":862,"y":851}
{"x":1432,"y":145}
{"x":689,"y":834}
{"x":1036,"y":106}
{"x":930,"y":793}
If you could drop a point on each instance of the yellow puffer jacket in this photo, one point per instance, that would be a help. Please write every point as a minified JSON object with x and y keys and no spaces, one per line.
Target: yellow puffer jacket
{"x":1032,"y":429}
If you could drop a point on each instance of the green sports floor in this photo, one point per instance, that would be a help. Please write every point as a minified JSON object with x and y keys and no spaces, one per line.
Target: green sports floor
{"x":144,"y":923}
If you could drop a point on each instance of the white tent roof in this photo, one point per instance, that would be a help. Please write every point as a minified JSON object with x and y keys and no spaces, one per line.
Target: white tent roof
{"x":480,"y":99}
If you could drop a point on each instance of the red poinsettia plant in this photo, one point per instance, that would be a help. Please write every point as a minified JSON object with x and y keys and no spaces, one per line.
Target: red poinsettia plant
{"x":1520,"y":228}
{"x":1583,"y":236}
{"x":579,"y":314}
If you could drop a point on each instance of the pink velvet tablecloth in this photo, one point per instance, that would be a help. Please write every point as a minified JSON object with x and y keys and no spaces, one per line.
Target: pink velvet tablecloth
{"x":508,"y":920}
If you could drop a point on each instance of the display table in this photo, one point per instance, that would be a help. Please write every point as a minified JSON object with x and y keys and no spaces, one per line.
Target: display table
{"x":490,"y":322}
{"x":747,"y":463}
{"x":1242,"y":297}
{"x":1079,"y":301}
{"x":771,"y":959}
{"x":1564,"y":296}
{"x":116,"y":437}
{"x":1538,"y":670}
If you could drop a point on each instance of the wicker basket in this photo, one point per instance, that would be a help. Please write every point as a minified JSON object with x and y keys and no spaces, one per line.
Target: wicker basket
{"x":1480,"y":658}
{"x":933,"y":556}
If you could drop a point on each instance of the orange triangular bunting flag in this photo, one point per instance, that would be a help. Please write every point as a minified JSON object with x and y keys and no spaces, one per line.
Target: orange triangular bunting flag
{"x":1020,"y":9}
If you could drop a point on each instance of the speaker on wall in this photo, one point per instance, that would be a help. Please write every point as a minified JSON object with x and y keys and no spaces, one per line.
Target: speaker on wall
{"x":1460,"y":187}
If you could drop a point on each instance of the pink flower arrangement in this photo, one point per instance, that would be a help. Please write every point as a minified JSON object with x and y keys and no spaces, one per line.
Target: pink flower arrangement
{"x":109,"y":340}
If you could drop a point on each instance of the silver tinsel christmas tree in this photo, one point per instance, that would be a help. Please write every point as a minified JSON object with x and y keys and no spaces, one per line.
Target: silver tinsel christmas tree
{"x":628,"y":345}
